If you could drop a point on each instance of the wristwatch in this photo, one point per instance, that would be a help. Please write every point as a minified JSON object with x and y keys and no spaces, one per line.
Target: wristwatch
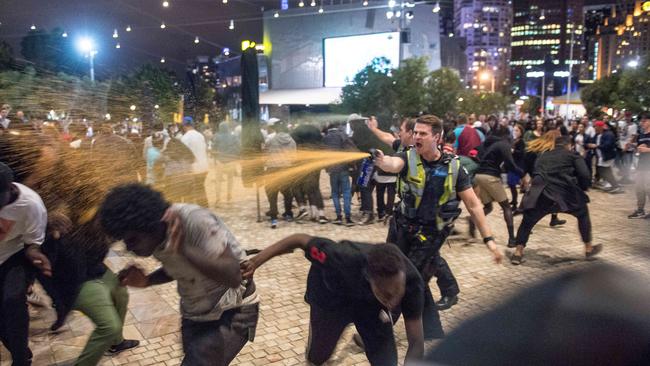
{"x":487,"y":239}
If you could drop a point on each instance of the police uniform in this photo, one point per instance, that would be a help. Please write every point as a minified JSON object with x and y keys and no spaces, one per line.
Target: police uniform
{"x":423,"y":220}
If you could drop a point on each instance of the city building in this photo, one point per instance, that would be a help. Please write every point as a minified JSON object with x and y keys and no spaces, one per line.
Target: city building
{"x":595,"y":14}
{"x":623,"y":39}
{"x":485,"y":25}
{"x":312,"y":52}
{"x":547,"y":37}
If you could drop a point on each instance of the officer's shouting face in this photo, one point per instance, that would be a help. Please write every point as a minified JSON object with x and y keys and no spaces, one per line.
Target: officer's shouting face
{"x":425,"y":141}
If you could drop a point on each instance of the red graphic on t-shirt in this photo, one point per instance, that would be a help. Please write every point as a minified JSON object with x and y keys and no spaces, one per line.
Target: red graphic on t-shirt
{"x":5,"y":228}
{"x":318,"y":255}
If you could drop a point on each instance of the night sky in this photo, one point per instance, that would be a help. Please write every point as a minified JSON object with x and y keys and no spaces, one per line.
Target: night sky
{"x":147,"y":42}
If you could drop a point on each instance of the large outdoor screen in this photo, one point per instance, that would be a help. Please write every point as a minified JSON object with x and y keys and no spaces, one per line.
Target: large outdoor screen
{"x":346,"y":56}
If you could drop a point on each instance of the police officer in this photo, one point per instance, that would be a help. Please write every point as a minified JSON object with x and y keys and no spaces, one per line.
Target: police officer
{"x":444,"y":278}
{"x":431,"y":185}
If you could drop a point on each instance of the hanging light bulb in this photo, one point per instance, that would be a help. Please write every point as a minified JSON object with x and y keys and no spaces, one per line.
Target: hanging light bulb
{"x":320,"y":10}
{"x":162,"y":60}
{"x":365,"y":3}
{"x":276,"y":14}
{"x":542,"y":17}
{"x":115,"y":35}
{"x":196,"y":40}
{"x":224,"y":1}
{"x":33,"y":27}
{"x":65,"y":35}
{"x":226,"y":51}
{"x":313,"y":3}
{"x":436,"y":8}
{"x":389,"y":14}
{"x":391,"y":3}
{"x":118,"y":45}
{"x":232,"y":24}
{"x":165,"y":4}
{"x":163,"y":26}
{"x":301,"y":3}
{"x":128,"y":28}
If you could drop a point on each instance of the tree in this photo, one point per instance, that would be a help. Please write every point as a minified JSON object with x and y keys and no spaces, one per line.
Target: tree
{"x":443,"y":90}
{"x":483,"y":102}
{"x":409,"y":87}
{"x":601,"y":94}
{"x":6,"y":56}
{"x":50,"y":52}
{"x":371,"y":91}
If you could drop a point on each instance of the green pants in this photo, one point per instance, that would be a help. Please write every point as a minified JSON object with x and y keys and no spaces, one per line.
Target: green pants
{"x":104,"y":301}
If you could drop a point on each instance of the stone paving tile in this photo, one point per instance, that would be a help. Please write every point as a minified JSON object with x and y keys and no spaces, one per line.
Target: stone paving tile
{"x":283,"y":326}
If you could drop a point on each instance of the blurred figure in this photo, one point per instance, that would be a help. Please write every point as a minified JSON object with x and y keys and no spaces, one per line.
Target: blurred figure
{"x":589,"y":317}
{"x":643,"y":170}
{"x":195,"y":141}
{"x":225,"y":147}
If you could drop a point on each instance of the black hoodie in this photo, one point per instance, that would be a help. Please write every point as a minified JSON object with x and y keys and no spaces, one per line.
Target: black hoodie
{"x":495,"y":151}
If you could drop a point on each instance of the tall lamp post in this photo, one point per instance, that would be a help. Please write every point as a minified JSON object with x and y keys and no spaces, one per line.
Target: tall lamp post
{"x":87,"y":47}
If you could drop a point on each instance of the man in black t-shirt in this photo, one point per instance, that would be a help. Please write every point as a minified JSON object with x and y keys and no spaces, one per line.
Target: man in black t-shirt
{"x":643,"y":170}
{"x":430,"y":186}
{"x":356,"y":283}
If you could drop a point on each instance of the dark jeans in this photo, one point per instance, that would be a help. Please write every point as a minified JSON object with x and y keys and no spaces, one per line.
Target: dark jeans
{"x":326,"y":326}
{"x":544,"y":207}
{"x":309,"y":187}
{"x":15,"y":273}
{"x":217,"y":343}
{"x":430,"y":264}
{"x":385,"y":205}
{"x":340,"y":185}
{"x":272,"y":195}
{"x":366,"y":197}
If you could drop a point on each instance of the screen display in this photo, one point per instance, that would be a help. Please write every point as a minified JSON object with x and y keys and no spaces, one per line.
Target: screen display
{"x":346,"y":56}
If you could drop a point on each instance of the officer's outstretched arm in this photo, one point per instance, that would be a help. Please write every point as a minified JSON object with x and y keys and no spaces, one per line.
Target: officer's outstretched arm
{"x":389,"y":164}
{"x":284,"y":246}
{"x":475,"y":208}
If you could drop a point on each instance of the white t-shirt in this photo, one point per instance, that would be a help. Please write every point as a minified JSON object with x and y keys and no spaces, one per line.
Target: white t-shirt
{"x":202,"y":298}
{"x":196,"y":142}
{"x":627,"y":133}
{"x":22,"y":222}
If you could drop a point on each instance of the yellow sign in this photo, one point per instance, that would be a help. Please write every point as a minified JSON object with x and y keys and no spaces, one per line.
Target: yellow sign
{"x":247,"y":44}
{"x":646,"y":6}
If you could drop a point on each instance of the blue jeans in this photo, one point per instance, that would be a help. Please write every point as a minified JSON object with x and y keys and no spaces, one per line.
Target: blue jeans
{"x":340,"y":184}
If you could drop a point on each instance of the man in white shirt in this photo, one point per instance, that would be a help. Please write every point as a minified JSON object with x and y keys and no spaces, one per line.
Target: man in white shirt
{"x":23,"y":220}
{"x":219,"y":309}
{"x":195,"y":141}
{"x":627,"y":134}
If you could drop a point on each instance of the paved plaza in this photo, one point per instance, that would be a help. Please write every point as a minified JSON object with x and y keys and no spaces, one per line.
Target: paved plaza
{"x":154,"y":319}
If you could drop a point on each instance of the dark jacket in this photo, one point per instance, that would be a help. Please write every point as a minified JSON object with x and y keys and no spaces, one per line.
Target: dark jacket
{"x":76,"y":258}
{"x":337,"y":140}
{"x":495,"y":151}
{"x":607,"y":145}
{"x":563,"y":177}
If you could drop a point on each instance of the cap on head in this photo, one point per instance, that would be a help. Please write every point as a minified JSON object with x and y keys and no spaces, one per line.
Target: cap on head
{"x":188,"y":121}
{"x":356,"y":117}
{"x":599,"y":124}
{"x":272,"y":121}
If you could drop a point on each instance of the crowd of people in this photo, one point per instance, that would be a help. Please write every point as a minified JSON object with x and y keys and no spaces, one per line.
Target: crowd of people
{"x":66,"y":194}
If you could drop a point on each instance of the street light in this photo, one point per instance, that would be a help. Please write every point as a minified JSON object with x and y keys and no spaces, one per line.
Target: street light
{"x":633,"y":64}
{"x":87,"y":46}
{"x":485,"y":76}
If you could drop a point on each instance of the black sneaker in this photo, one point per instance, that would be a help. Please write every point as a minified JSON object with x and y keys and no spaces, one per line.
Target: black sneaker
{"x":338,"y":221}
{"x":557,"y":222}
{"x":288,"y":217}
{"x":349,"y":222}
{"x":118,"y":348}
{"x":368,"y":220}
{"x":446,"y":302}
{"x":638,"y":214}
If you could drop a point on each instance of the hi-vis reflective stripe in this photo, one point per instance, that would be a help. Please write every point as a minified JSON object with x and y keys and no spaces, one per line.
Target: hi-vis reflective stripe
{"x":450,"y":182}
